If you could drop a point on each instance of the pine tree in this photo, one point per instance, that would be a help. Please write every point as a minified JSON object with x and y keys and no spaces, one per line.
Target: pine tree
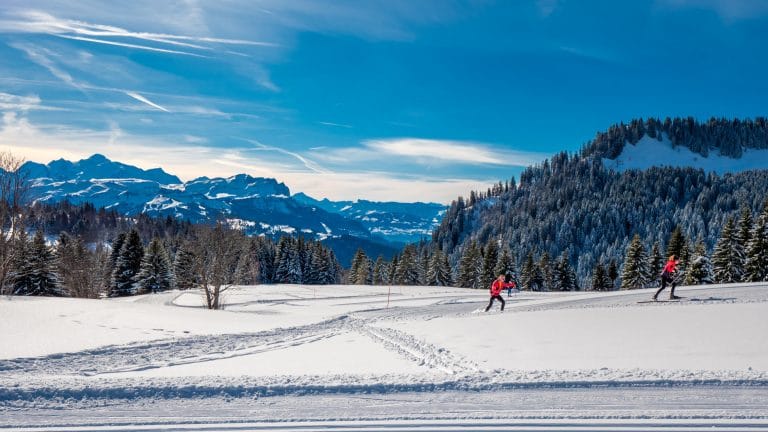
{"x":728,"y":257}
{"x":127,"y":266}
{"x":490,"y":257}
{"x":360,"y":272}
{"x":35,"y":267}
{"x":392,"y":276}
{"x":701,"y":267}
{"x":686,"y":258}
{"x":744,"y":234}
{"x":334,"y":275}
{"x":506,"y":266}
{"x":288,"y":262}
{"x":439,"y":272}
{"x":21,"y":269}
{"x":635,"y":273}
{"x":266,"y":255}
{"x":547,"y":269}
{"x":184,"y":267}
{"x":757,"y":250}
{"x":380,"y":272}
{"x":76,"y":265}
{"x":407,"y":271}
{"x":563,"y":274}
{"x":677,"y":243}
{"x":613,"y":273}
{"x":117,"y":245}
{"x":600,"y":280}
{"x":470,"y":267}
{"x":155,"y":271}
{"x":528,"y":274}
{"x":655,"y":265}
{"x":43,"y":260}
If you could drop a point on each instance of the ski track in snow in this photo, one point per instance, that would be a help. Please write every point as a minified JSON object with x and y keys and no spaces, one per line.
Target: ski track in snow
{"x":84,"y":380}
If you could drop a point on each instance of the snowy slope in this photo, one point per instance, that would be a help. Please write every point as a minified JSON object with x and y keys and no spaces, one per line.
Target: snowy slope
{"x":413,"y":353}
{"x":650,"y":152}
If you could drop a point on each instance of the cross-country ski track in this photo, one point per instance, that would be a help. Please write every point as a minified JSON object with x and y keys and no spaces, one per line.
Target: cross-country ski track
{"x":288,"y":357}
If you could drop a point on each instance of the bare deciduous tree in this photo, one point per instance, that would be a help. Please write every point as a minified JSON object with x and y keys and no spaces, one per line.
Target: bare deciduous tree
{"x":218,"y":251}
{"x":14,"y":188}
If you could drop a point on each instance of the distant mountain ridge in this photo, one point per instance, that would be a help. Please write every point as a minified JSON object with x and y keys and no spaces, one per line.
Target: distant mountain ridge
{"x":96,"y":167}
{"x":404,"y":222}
{"x":259,"y":206}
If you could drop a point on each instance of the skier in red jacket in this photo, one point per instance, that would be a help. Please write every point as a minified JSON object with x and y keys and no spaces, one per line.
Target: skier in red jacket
{"x":667,"y":276}
{"x":496,"y":288}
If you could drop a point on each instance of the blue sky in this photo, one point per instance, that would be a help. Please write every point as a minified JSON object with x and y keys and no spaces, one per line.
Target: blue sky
{"x":384,"y":100}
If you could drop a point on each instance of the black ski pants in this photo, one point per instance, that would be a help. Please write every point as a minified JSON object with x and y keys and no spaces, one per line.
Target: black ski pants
{"x":490,"y":303}
{"x":666,"y":278}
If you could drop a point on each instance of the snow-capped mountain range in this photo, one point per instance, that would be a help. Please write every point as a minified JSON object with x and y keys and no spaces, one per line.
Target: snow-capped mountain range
{"x":257,"y":205}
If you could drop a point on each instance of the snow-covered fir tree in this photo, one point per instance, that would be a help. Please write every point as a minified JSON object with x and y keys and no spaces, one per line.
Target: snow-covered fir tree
{"x":547,"y":268}
{"x":613,"y":273}
{"x":600,"y":281}
{"x":744,"y":233}
{"x":439,"y":271}
{"x":756,"y":268}
{"x":531,"y":275}
{"x":506,"y":265}
{"x":655,"y":264}
{"x":677,"y":243}
{"x":20,"y":274}
{"x":360,"y":273}
{"x":700,"y":269}
{"x":407,"y":271}
{"x":288,"y":262}
{"x":184,"y":266}
{"x":728,"y":257}
{"x":37,"y":273}
{"x":117,"y":246}
{"x":490,"y":257}
{"x":470,"y":268}
{"x":155,"y":272}
{"x":635,"y":272}
{"x":127,"y":266}
{"x":43,"y":260}
{"x":564,"y":276}
{"x":76,"y":266}
{"x":266,"y":253}
{"x":380,"y":271}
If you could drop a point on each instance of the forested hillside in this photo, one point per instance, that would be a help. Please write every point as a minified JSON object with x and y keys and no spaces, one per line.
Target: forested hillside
{"x":726,"y":137}
{"x":573,"y":211}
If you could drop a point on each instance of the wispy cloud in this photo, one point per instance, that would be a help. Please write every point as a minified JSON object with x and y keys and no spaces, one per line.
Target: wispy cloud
{"x":12,"y":102}
{"x":127,"y":45}
{"x":34,"y":21}
{"x":340,"y":125}
{"x":309,"y":164}
{"x":44,"y":57}
{"x":141,"y":98}
{"x":463,"y":152}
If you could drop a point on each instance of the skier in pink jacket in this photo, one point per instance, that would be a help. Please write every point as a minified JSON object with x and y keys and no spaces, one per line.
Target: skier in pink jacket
{"x":496,"y":288}
{"x":667,"y":276}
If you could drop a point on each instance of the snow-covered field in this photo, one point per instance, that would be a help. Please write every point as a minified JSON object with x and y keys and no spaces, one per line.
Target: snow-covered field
{"x":387,"y":358}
